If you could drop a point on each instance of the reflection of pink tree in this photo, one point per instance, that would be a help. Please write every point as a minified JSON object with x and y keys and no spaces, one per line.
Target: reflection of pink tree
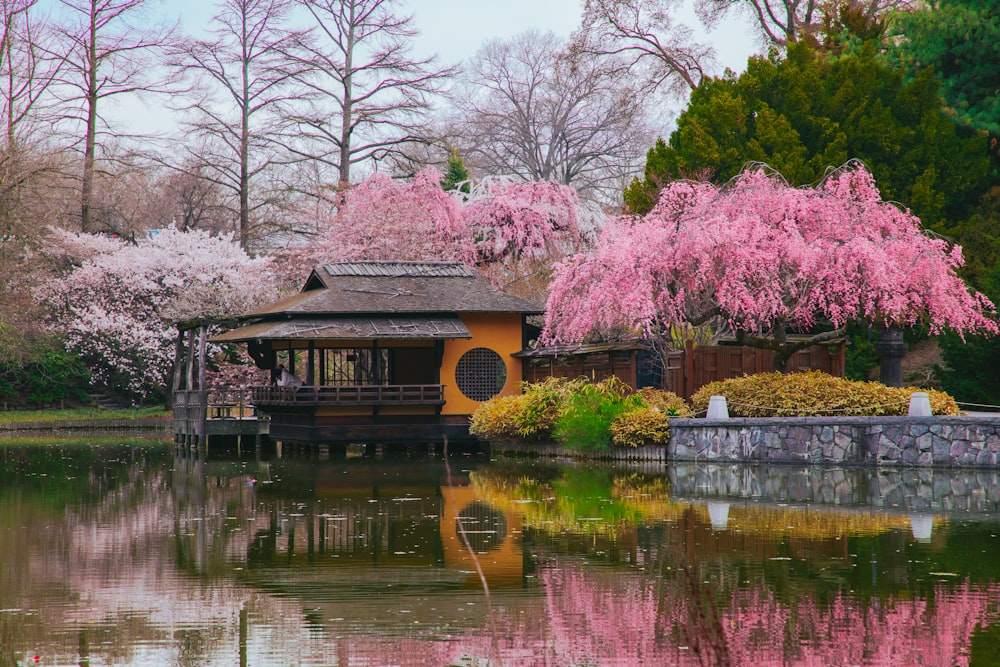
{"x":892,"y":632}
{"x":592,"y":617}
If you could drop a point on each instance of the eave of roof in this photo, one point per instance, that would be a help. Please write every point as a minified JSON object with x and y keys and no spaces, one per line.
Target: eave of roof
{"x":581,"y":348}
{"x":350,"y":328}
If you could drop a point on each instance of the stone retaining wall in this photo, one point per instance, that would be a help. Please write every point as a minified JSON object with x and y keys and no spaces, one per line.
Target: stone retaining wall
{"x":916,"y":441}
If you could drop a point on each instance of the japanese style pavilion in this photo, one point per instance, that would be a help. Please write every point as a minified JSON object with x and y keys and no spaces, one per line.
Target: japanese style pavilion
{"x":385,"y":352}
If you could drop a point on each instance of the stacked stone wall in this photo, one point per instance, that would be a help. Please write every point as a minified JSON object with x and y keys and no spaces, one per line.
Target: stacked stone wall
{"x":910,"y":441}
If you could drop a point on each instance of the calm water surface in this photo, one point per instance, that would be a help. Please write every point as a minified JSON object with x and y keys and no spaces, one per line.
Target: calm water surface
{"x":134,"y":553}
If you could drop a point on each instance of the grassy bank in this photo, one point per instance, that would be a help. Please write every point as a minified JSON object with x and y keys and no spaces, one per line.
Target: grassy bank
{"x":80,"y":414}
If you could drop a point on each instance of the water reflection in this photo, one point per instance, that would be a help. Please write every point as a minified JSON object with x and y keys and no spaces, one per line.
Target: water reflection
{"x":136,"y":554}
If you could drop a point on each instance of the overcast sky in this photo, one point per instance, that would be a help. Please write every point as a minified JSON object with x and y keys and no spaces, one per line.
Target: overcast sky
{"x":455,"y":29}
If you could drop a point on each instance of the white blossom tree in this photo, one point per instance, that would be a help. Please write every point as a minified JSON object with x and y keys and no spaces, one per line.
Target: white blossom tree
{"x":118,"y":303}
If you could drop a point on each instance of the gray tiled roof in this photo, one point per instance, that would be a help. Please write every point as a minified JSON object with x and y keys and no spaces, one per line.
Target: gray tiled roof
{"x":348,"y":328}
{"x":395,"y":288}
{"x":399,"y":269}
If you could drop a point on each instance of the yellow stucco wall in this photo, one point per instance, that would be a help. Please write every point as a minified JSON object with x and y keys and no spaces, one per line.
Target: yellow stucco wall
{"x":498,"y":332}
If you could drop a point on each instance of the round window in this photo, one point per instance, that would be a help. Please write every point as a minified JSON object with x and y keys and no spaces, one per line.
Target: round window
{"x":480,"y":374}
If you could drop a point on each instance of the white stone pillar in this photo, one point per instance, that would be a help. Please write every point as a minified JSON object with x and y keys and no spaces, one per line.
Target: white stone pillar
{"x":920,"y":404}
{"x":718,"y":408}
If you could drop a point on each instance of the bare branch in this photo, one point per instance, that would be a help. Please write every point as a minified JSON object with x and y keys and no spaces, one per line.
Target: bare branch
{"x":529,"y":110}
{"x":109,"y":52}
{"x":239,"y":80}
{"x":646,"y":35}
{"x":366,"y":94}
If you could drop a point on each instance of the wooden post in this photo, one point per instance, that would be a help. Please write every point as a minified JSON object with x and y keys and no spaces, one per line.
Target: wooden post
{"x":311,"y":365}
{"x":688,"y":369}
{"x":202,"y":389}
{"x":202,"y":354}
{"x":175,"y":378}
{"x":189,"y":370}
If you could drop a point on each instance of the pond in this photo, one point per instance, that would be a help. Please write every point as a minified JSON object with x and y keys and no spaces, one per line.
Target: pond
{"x":136,"y":553}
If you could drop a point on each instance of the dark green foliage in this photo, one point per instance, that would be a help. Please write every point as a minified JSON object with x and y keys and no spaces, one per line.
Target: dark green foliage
{"x":41,"y":373}
{"x":960,"y":40}
{"x":972,"y":372}
{"x":860,"y":356}
{"x":457,"y":176}
{"x":851,"y":23}
{"x":810,"y":111}
{"x":983,"y":647}
{"x":979,"y":236}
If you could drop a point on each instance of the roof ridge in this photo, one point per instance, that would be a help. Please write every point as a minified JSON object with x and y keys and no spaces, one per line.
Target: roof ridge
{"x":398,"y":269}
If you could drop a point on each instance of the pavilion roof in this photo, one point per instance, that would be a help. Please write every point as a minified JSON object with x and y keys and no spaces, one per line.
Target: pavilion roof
{"x":394,"y":288}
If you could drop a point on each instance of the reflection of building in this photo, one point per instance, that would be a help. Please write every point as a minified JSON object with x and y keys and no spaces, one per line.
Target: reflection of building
{"x":494,"y":536}
{"x":385,"y":351}
{"x":402,"y":516}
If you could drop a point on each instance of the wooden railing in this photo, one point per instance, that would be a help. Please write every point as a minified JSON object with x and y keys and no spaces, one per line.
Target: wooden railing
{"x":215,"y":403}
{"x":392,"y":394}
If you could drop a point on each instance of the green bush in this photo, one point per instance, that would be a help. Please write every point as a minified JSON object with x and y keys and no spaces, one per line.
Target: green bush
{"x":586,"y":417}
{"x":580,"y":414}
{"x":814,"y":393}
{"x":542,"y":404}
{"x":43,"y":375}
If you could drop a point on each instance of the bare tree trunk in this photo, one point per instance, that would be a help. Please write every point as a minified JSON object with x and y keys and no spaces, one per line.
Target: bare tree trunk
{"x":246,"y":63}
{"x":90,"y":139}
{"x":355,"y":62}
{"x":348,"y":114}
{"x":245,"y":143}
{"x":107,"y":55}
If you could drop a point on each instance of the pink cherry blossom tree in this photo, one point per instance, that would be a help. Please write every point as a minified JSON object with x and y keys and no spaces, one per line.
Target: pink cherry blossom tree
{"x":382,"y":218}
{"x":117,"y":306}
{"x":519,"y":229}
{"x":760,"y":259}
{"x":507,"y":229}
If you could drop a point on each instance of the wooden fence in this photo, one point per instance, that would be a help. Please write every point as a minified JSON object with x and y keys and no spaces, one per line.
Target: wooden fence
{"x":685,"y":371}
{"x":690,"y":369}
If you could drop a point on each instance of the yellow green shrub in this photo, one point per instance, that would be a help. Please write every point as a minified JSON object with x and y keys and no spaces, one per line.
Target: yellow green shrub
{"x":639,"y":427}
{"x":814,"y":393}
{"x":666,"y":401}
{"x":497,"y":418}
{"x":580,"y":413}
{"x":542,"y":402}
